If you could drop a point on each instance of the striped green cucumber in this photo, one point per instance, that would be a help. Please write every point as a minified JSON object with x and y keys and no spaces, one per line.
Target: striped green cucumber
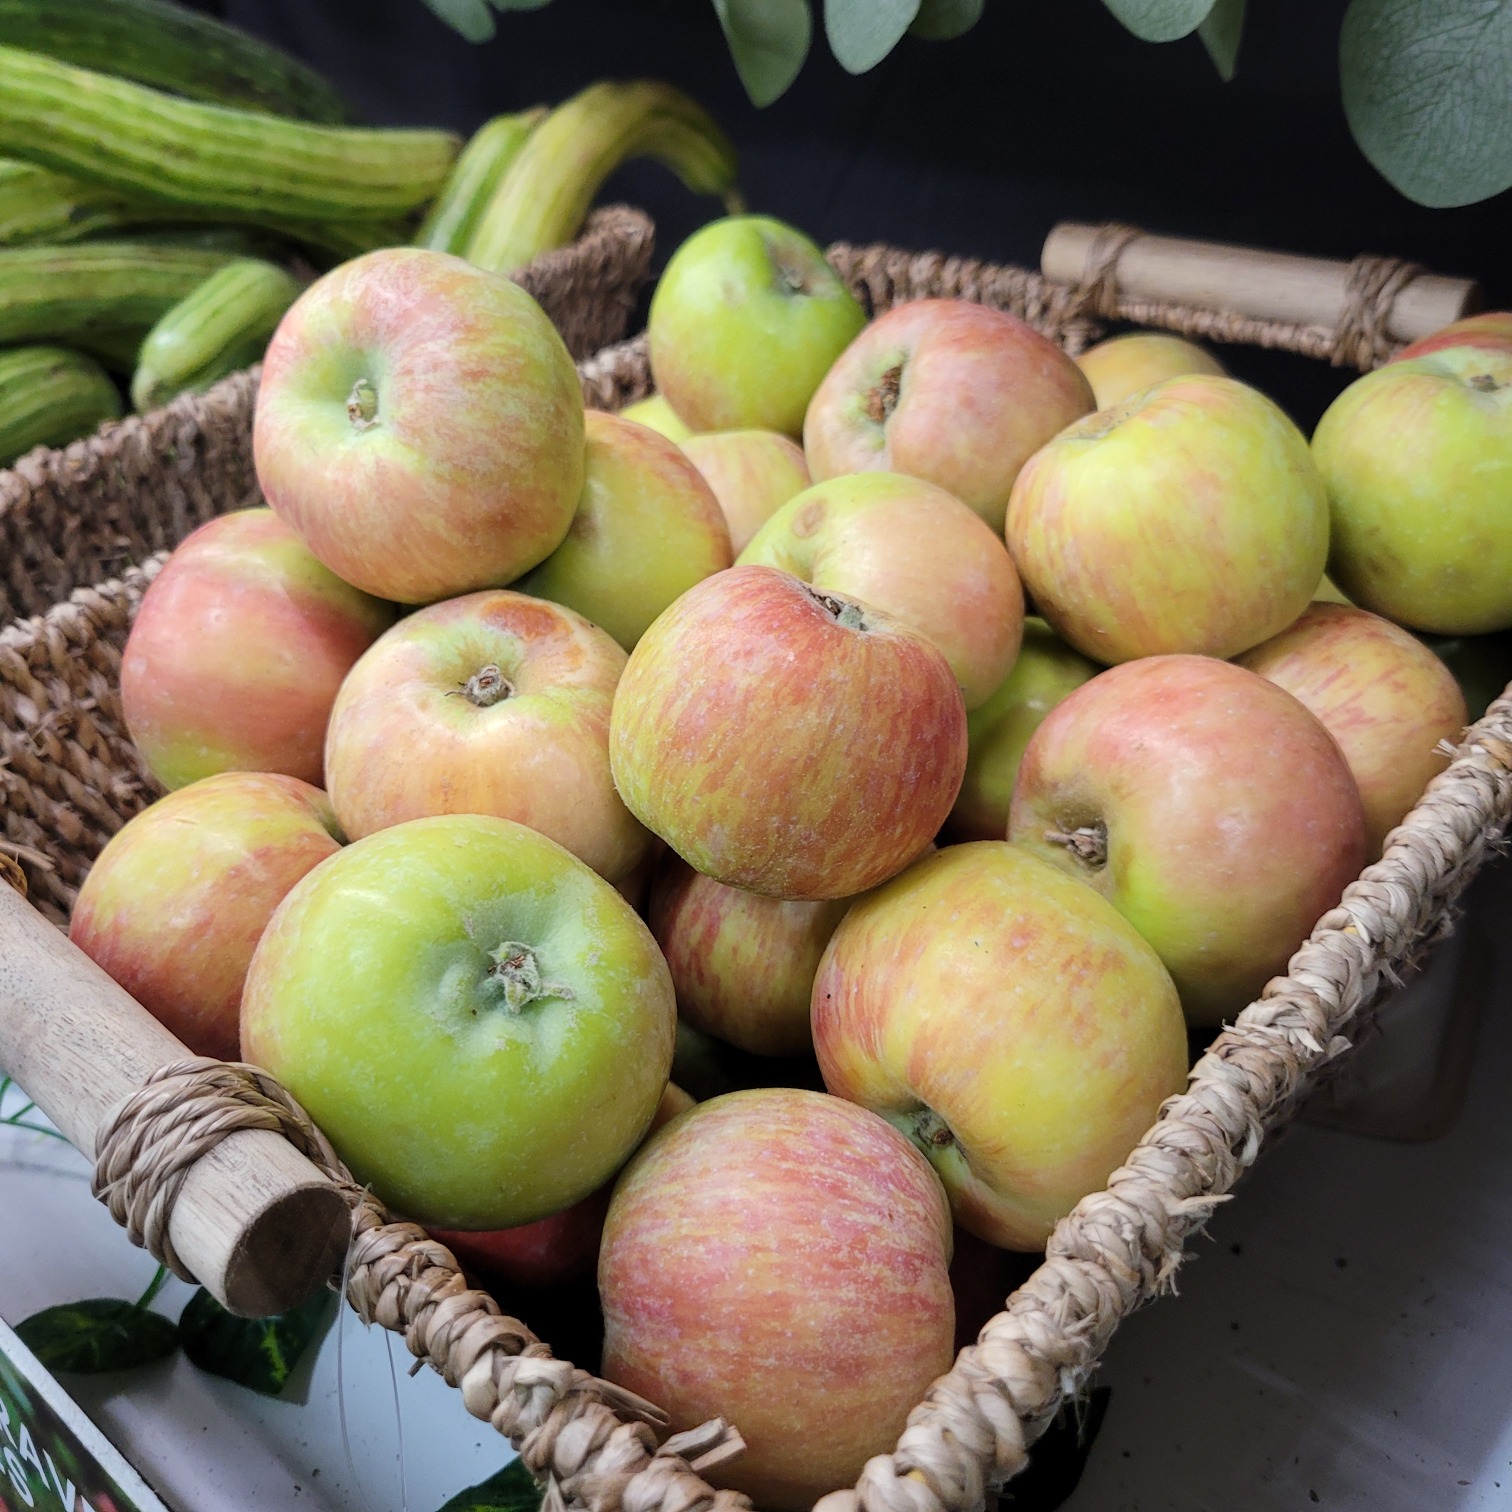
{"x":50,"y":396}
{"x":449,"y":223}
{"x":544,"y":197}
{"x":172,"y":48}
{"x":222,"y":326}
{"x":239,"y":164}
{"x":59,"y":293}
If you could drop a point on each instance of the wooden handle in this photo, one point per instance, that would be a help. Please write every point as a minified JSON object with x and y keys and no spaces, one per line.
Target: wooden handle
{"x":257,"y":1223}
{"x":1308,"y":291}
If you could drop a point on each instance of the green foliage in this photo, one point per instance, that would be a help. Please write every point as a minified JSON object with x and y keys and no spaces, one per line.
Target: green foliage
{"x":512,"y":1489}
{"x":259,"y":1353}
{"x":1160,"y":20}
{"x":1220,"y":32}
{"x":769,"y":39}
{"x":945,"y":20}
{"x":862,"y":32}
{"x":1427,"y":90}
{"x":473,"y":18}
{"x":104,"y":1333}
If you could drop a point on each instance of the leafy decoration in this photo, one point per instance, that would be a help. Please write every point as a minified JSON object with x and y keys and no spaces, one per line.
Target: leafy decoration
{"x":259,"y":1353}
{"x":1427,"y":88}
{"x":1220,"y":32}
{"x":768,"y":39}
{"x":512,"y":1489}
{"x":104,"y":1333}
{"x":945,"y":20}
{"x":1160,"y":20}
{"x":862,"y":32}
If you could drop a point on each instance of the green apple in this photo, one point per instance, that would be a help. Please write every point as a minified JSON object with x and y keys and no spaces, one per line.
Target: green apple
{"x":647,"y":528}
{"x":1047,"y":670}
{"x":655,"y":412}
{"x":1417,"y":457}
{"x":745,"y":322}
{"x":480,"y":1024}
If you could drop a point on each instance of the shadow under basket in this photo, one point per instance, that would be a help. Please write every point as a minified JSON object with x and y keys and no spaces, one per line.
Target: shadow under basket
{"x":85,"y":531}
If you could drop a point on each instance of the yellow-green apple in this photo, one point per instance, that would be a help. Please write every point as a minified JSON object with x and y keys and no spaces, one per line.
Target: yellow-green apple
{"x":481,"y":1025}
{"x":1417,"y":457}
{"x":559,"y":1248}
{"x":780,"y":1258}
{"x":753,"y":474}
{"x":655,"y":412}
{"x":237,"y":651}
{"x":1207,"y":805}
{"x":915,"y":552}
{"x":1009,"y":1022}
{"x":492,"y":703}
{"x":784,"y":740}
{"x":1127,"y":365}
{"x":954,"y":393}
{"x":1187,"y":519}
{"x":176,"y":902}
{"x":997,"y":731}
{"x":745,"y":321}
{"x":647,"y":528}
{"x":420,"y":424}
{"x":1380,"y":692}
{"x":1491,"y":330}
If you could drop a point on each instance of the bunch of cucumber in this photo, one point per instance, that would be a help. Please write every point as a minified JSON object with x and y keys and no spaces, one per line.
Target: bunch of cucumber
{"x":168,"y":184}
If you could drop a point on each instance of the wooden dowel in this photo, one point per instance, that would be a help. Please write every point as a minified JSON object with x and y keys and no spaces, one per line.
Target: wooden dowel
{"x":255,"y":1221}
{"x":1309,"y":291}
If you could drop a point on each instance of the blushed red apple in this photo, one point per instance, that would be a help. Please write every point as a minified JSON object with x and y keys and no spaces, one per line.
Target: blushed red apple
{"x":1491,"y":331}
{"x":753,"y":474}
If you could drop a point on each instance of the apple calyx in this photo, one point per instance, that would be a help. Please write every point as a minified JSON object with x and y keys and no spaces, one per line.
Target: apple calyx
{"x":1088,"y":843}
{"x":362,"y":405}
{"x":487,"y":686}
{"x":882,"y":399}
{"x":791,"y":268}
{"x":924,"y":1128}
{"x":518,"y":974}
{"x":1484,"y":383}
{"x":847,"y":613}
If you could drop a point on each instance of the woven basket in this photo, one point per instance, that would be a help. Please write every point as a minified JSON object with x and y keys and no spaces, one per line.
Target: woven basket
{"x":108,"y":508}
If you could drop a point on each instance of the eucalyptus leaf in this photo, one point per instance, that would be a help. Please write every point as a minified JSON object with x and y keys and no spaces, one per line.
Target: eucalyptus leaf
{"x":259,"y":1353}
{"x":105,"y":1333}
{"x":862,"y":32}
{"x":1427,"y":90}
{"x":769,"y":39}
{"x":1160,"y":20}
{"x":945,"y":20}
{"x":472,"y":18}
{"x":512,"y":1489}
{"x":1220,"y":33}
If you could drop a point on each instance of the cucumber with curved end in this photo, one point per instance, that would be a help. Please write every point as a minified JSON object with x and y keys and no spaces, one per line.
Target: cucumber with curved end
{"x":222,"y":326}
{"x":172,"y":48}
{"x":50,"y":396}
{"x":64,"y":293}
{"x":545,"y":195}
{"x":449,"y":223}
{"x":242,"y":165}
{"x":40,"y":206}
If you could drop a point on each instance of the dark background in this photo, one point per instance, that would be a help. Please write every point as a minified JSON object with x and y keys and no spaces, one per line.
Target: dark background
{"x":1047,"y":111}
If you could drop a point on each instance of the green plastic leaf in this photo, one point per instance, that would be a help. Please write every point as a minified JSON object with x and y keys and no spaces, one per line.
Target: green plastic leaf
{"x":1160,"y":20}
{"x":259,"y":1353}
{"x":470,"y":17}
{"x":105,"y":1333}
{"x":1220,"y":33}
{"x":1427,"y":90}
{"x":512,"y":1489}
{"x":944,"y":20}
{"x":862,"y":32}
{"x":769,"y":39}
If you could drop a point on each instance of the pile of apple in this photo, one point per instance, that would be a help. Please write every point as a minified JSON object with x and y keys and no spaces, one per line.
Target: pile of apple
{"x":492,"y":673}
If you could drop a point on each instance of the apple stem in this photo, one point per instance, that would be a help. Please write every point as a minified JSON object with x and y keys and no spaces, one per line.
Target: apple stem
{"x":362,"y":405}
{"x":849,"y":615}
{"x":1089,"y":843}
{"x":883,"y":399}
{"x":487,"y":686}
{"x":517,"y":970}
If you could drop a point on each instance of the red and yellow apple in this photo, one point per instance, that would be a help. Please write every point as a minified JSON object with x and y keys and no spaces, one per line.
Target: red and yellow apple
{"x":954,"y":393}
{"x":1417,"y":457}
{"x":997,"y":731}
{"x":745,"y":321}
{"x":493,"y":703}
{"x":1207,"y":805}
{"x":780,"y":1258}
{"x":753,"y":474}
{"x":237,"y":651}
{"x":420,"y":423}
{"x":1380,"y":692}
{"x":1491,"y":330}
{"x":1187,"y":519}
{"x":1006,"y":1019}
{"x":784,"y":740}
{"x":912,"y":550}
{"x":654,"y":412}
{"x":1124,"y":366}
{"x":479,"y":1023}
{"x":647,"y":528}
{"x":176,"y":902}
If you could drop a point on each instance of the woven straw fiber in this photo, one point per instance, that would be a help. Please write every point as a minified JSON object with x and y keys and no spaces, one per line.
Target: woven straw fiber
{"x":70,"y":778}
